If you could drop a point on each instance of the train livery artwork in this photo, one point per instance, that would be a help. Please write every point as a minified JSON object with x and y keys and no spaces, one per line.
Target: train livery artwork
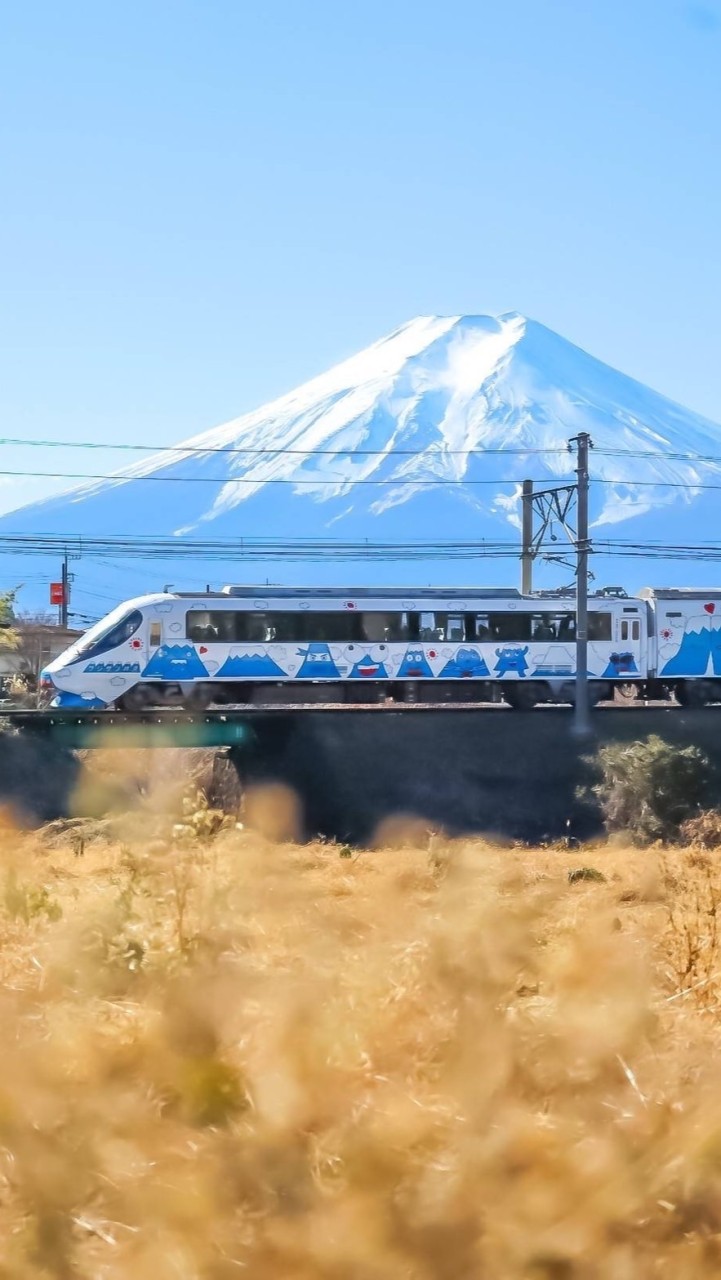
{"x":238,"y":646}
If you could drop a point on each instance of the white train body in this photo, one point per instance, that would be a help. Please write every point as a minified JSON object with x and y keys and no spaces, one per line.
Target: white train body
{"x":170,"y":649}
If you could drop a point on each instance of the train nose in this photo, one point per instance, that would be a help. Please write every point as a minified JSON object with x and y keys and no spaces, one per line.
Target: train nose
{"x":46,"y":682}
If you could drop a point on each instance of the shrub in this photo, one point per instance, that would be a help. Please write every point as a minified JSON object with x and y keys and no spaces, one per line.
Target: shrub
{"x":8,"y":636}
{"x":649,"y":789}
{"x":586,"y":873}
{"x":27,"y":902}
{"x":703,"y":830}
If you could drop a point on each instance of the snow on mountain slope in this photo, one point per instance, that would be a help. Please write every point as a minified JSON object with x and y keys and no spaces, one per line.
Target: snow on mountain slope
{"x":393,"y":443}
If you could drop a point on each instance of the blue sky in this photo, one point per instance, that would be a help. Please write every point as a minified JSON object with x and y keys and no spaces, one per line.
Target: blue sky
{"x":204,"y":204}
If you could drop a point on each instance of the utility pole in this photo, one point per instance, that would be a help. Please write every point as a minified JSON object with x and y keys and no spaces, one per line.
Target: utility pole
{"x":551,"y":506}
{"x":64,"y":602}
{"x":527,"y":527}
{"x":582,"y":718}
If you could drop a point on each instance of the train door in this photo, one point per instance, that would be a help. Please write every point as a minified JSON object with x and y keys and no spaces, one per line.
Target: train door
{"x":155,"y":637}
{"x":631,"y":641}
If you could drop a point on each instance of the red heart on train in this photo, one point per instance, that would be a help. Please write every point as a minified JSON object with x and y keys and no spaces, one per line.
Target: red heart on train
{"x":203,"y":649}
{"x":710,"y":608}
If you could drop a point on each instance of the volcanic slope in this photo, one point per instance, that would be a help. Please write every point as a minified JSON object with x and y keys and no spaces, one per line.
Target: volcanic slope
{"x":392,"y":445}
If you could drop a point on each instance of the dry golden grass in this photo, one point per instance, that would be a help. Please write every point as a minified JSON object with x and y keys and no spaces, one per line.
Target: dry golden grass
{"x":224,"y":1056}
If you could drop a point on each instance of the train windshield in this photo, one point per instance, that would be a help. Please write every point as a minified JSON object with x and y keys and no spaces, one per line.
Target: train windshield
{"x":114,"y":630}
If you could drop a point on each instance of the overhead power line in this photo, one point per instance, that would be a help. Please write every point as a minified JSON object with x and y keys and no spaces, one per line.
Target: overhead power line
{"x":250,"y":550}
{"x":658,"y":455}
{"x":385,"y":482}
{"x":221,"y":480}
{"x":278,"y":451}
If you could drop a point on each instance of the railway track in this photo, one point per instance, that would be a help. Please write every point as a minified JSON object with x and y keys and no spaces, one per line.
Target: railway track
{"x":23,"y":718}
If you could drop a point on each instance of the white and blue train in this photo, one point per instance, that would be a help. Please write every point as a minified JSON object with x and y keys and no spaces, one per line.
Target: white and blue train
{"x":250,"y":644}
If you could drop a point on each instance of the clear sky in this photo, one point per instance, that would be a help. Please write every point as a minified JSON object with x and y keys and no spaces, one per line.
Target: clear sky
{"x":204,"y":204}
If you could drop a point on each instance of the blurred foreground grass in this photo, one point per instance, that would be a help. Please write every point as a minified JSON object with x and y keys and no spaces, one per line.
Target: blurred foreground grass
{"x":225,"y":1055}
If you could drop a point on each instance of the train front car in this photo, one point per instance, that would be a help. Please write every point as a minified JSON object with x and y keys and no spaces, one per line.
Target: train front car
{"x":106,"y":666}
{"x":316,"y":644}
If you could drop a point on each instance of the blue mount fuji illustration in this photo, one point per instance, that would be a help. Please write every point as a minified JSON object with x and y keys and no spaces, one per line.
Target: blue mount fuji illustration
{"x":465,"y":664}
{"x":621,"y":664}
{"x":511,"y":659}
{"x":366,"y":669}
{"x":693,"y":655}
{"x":260,"y":665}
{"x":317,"y":663}
{"x":176,"y":662}
{"x":414,"y":663}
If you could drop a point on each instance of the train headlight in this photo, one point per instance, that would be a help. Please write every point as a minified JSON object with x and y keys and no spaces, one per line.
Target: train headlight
{"x":46,"y":682}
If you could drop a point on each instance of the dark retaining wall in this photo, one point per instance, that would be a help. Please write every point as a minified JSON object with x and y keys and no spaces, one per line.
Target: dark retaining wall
{"x":513,"y":774}
{"x":37,"y":779}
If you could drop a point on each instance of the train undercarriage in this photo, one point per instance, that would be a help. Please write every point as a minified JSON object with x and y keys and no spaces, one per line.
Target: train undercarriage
{"x":521,"y":695}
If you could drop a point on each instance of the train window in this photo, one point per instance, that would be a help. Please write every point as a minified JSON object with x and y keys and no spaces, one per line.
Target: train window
{"x":636,"y":630}
{"x":544,"y":626}
{"x":330,"y":626}
{"x":448,"y":626}
{"x":553,"y":626}
{"x":599,"y":626}
{"x":206,"y":627}
{"x":438,"y":626}
{"x":255,"y":628}
{"x":399,"y":626}
{"x":624,"y":629}
{"x":155,"y":634}
{"x":374,"y":627}
{"x":510,"y":627}
{"x":383,"y":628}
{"x":117,"y":635}
{"x":427,"y":629}
{"x":478,"y":626}
{"x":280,"y":628}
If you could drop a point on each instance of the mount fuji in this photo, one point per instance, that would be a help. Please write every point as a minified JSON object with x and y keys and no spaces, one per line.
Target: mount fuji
{"x":397,"y":444}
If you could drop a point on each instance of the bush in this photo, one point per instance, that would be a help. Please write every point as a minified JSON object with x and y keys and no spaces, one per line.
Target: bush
{"x":703,"y":830}
{"x":649,"y":789}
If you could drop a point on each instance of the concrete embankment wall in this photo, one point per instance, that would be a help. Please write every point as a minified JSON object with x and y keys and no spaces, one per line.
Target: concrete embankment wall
{"x":510,"y":773}
{"x":37,"y":779}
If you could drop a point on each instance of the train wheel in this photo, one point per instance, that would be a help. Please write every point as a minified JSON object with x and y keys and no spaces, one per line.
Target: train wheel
{"x":692,"y":693}
{"x":522,"y":697}
{"x":198,"y":698}
{"x":597,"y":692}
{"x":139,"y":698}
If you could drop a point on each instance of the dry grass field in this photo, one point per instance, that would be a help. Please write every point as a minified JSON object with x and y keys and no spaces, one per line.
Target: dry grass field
{"x":224,"y":1054}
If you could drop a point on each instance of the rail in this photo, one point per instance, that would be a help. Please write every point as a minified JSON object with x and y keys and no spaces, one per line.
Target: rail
{"x":176,"y":728}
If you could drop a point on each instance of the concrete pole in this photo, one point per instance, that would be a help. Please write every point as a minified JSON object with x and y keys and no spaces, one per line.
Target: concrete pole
{"x":527,"y":536}
{"x":582,"y":717}
{"x":64,"y":603}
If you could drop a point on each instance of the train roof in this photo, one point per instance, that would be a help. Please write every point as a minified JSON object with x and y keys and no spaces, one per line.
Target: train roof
{"x":680,"y":593}
{"x":375,"y":593}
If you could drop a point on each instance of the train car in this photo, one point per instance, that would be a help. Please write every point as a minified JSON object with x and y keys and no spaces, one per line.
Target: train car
{"x":684,"y":625}
{"x":246,"y":644}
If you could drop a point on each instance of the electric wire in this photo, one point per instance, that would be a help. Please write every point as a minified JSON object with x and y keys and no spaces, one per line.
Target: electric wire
{"x":107,"y":550}
{"x":658,"y":455}
{"x":330,"y":481}
{"x":279,"y":450}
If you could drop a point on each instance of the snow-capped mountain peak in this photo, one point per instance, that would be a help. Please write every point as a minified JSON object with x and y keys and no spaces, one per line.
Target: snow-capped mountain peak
{"x":406,"y":440}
